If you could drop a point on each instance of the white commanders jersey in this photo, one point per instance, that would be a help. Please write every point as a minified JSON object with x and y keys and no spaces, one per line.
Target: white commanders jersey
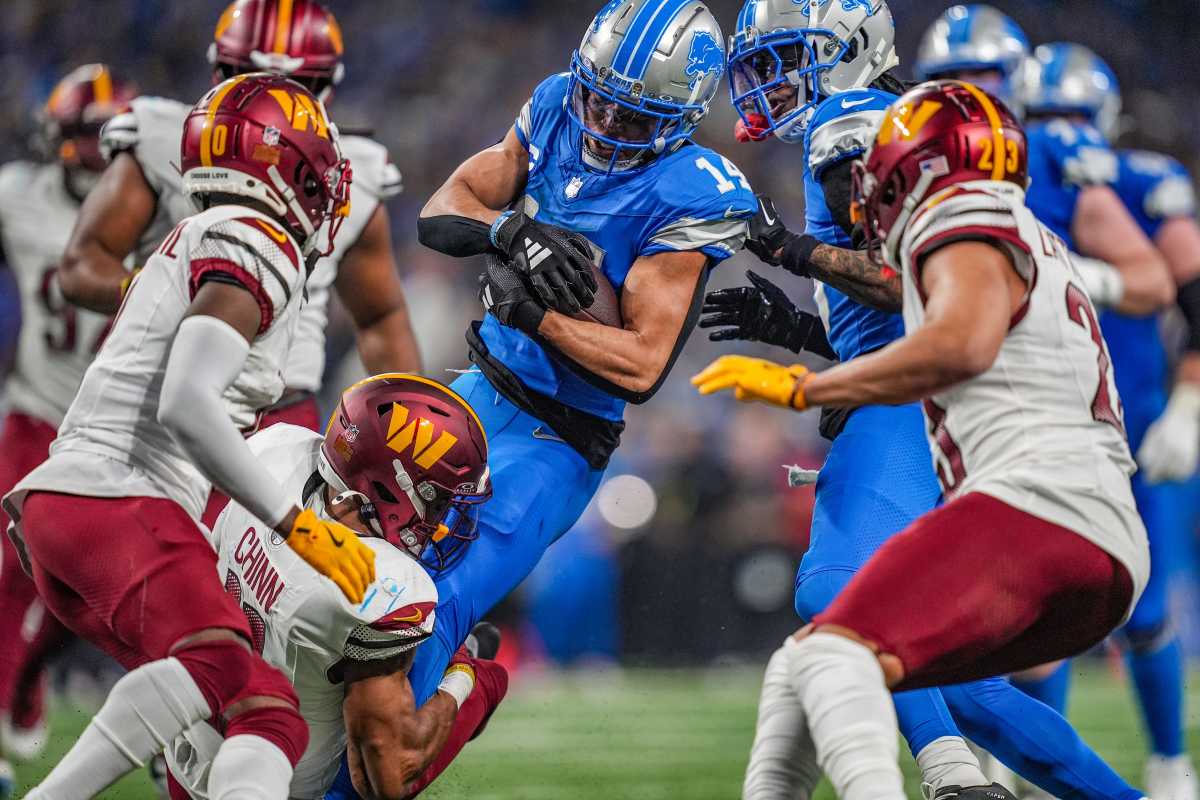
{"x":57,"y":340}
{"x":111,"y":444}
{"x":151,"y":131}
{"x":1042,"y":429}
{"x":300,"y":621}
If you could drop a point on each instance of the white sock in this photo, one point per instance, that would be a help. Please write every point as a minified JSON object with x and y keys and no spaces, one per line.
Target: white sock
{"x":850,"y":715}
{"x":248,"y":767}
{"x":783,"y":761}
{"x":949,"y":762}
{"x":145,"y":710}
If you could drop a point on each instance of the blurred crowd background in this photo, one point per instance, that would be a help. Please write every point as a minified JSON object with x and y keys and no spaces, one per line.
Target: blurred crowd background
{"x":688,"y":554}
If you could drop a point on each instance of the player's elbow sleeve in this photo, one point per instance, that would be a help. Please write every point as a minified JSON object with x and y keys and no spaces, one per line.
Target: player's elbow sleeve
{"x":453,"y":235}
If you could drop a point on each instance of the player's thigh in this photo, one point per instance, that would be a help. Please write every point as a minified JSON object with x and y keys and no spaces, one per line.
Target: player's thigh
{"x":877,"y":479}
{"x":952,"y":594}
{"x":140,"y":565}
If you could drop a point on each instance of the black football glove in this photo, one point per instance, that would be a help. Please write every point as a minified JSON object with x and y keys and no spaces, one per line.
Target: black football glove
{"x":556,"y":262}
{"x":506,"y":297}
{"x":774,"y":244}
{"x":762,"y":313}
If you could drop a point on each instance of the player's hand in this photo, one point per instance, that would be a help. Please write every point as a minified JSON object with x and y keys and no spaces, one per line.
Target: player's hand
{"x":1171,"y":449}
{"x":506,"y":297}
{"x":335,"y":551}
{"x":556,"y":262}
{"x":756,"y":380}
{"x":768,"y":234}
{"x":763,"y":313}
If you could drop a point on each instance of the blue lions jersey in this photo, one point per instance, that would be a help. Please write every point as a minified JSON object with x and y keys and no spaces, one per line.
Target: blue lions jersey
{"x":689,"y":199}
{"x":1155,"y":188}
{"x":843,"y":127}
{"x":1064,"y":157}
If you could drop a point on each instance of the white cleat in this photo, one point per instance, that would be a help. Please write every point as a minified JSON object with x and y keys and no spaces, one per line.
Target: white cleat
{"x":1171,"y":778}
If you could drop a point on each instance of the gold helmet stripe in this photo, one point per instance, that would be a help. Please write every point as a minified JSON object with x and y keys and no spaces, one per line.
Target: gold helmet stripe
{"x":283,"y":24}
{"x":213,"y":107}
{"x":102,"y":86}
{"x":989,"y":108}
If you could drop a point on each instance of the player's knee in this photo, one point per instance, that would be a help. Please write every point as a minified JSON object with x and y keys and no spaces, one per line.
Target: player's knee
{"x":220,"y":668}
{"x":892,"y":666}
{"x":1147,"y":638}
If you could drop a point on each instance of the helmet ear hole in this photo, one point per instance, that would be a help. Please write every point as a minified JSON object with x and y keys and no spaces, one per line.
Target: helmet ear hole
{"x":383,"y":493}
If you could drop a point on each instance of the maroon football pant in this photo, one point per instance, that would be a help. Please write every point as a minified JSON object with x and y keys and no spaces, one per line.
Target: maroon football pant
{"x":305,"y":413}
{"x":132,"y":575}
{"x":978,"y":588}
{"x":30,"y":634}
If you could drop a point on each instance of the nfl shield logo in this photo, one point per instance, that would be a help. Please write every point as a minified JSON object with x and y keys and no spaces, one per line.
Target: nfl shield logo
{"x":271,"y":135}
{"x":573,"y":187}
{"x":351,"y":433}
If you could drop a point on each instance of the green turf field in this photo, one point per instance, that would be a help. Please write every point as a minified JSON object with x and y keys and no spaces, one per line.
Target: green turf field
{"x":648,"y":735}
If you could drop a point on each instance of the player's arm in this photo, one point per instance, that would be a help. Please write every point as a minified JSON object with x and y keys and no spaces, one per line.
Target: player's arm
{"x":660,"y":302}
{"x":1104,"y":229}
{"x":208,"y":353}
{"x":389,"y":741}
{"x":368,"y":284}
{"x":1170,"y":451}
{"x":112,"y":219}
{"x":960,"y":338}
{"x":458,"y":218}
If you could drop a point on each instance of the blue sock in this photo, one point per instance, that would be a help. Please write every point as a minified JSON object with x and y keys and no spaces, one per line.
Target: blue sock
{"x":1158,"y":677}
{"x":1033,"y":741}
{"x":923,"y":717}
{"x":1051,"y":690}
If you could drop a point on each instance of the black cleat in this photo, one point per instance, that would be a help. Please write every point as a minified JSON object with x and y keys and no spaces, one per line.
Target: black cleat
{"x":484,"y":641}
{"x":992,"y":792}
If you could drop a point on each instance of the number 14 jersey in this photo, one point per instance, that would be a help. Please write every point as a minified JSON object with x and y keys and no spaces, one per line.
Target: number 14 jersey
{"x":1042,"y":429}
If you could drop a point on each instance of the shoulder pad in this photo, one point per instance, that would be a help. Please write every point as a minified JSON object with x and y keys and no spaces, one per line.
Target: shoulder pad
{"x":844,"y":126}
{"x":705,"y":202}
{"x":1172,"y":196}
{"x":119,"y":135}
{"x":972,"y":211}
{"x":399,"y":609}
{"x":372,"y":168}
{"x":546,"y":104}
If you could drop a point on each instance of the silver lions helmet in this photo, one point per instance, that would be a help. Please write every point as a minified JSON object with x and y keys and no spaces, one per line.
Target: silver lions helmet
{"x":976,"y":43}
{"x":787,"y":56}
{"x":642,"y":79}
{"x":1064,"y":79}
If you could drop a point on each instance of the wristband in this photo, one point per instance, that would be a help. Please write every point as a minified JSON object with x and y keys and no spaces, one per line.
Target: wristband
{"x":495,"y":229}
{"x":797,"y":253}
{"x":458,"y":682}
{"x":797,"y":400}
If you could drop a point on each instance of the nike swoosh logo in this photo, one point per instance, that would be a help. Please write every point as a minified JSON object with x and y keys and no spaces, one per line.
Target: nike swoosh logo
{"x":733,"y":213}
{"x":541,"y":433}
{"x":336,"y":542}
{"x":855,"y":103}
{"x":766,"y":217}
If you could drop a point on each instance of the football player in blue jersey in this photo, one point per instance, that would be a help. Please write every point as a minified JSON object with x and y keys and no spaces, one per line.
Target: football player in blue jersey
{"x":1073,"y":101}
{"x":878,"y":472}
{"x":599,"y":169}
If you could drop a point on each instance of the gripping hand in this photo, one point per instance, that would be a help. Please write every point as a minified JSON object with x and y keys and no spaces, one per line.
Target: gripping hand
{"x":556,"y":263}
{"x":763,"y":313}
{"x":335,"y":551}
{"x":755,"y":380}
{"x":506,"y":296}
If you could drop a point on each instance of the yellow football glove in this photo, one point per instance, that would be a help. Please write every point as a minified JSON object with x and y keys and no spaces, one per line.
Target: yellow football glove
{"x":755,"y":380}
{"x":335,"y":551}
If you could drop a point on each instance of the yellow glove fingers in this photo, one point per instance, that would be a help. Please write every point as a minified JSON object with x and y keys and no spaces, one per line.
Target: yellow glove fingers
{"x":352,"y":593}
{"x":717,"y":384}
{"x":362,"y":566}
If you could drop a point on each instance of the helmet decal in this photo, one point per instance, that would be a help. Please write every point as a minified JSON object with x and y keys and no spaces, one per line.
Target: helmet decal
{"x":806,"y":6}
{"x":300,"y":109}
{"x":605,"y":13}
{"x":705,"y":58}
{"x":419,"y":434}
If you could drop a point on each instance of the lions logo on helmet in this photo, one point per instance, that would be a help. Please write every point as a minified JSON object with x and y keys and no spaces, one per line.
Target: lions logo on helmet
{"x":847,"y":5}
{"x":705,"y":58}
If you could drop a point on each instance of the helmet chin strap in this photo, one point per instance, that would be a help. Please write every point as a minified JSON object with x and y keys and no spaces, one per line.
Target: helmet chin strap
{"x":289,"y":198}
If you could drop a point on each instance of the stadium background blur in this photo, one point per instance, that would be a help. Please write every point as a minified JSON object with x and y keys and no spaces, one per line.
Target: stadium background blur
{"x":688,"y":556}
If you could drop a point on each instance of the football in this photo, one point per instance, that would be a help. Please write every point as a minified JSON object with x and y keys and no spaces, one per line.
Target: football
{"x":606,"y":306}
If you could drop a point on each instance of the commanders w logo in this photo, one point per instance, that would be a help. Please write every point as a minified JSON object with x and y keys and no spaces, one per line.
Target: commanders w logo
{"x":300,"y":109}
{"x":419,"y":434}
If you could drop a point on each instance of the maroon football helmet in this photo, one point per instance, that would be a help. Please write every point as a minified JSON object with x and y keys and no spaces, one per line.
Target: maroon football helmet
{"x":79,"y":105}
{"x":940,"y":134}
{"x":417,"y":454}
{"x":299,"y":39}
{"x":267,"y":138}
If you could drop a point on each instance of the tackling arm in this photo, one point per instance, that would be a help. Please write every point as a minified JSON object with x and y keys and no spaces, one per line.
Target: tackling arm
{"x":369,"y":286}
{"x":1103,"y":229}
{"x":111,"y":221}
{"x":660,"y":303}
{"x":390,"y":741}
{"x":457,"y":219}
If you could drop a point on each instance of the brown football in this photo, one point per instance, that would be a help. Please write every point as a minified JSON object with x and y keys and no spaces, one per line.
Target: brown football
{"x":606,"y":307}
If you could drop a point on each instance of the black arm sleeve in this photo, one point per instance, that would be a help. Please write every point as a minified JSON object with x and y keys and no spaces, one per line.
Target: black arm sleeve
{"x":1188,"y":298}
{"x":453,"y":235}
{"x":837,"y":186}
